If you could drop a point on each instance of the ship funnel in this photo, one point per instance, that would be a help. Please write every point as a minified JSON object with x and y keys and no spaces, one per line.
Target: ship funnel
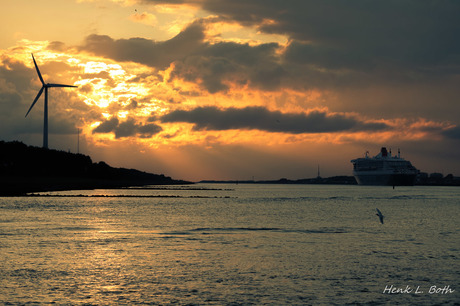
{"x":384,"y":152}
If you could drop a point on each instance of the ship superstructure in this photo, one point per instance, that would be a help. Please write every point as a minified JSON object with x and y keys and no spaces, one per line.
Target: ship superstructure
{"x":384,"y":169}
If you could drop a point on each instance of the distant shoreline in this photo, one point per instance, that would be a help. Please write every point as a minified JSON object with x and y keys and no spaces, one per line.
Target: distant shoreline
{"x":22,"y":186}
{"x":435,"y":180}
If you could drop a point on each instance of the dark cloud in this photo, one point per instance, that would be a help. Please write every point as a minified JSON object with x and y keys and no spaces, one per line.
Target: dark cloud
{"x":453,"y":133}
{"x":148,"y":130}
{"x":212,"y":118}
{"x":215,"y":65}
{"x":127,"y":128}
{"x":336,"y":42}
{"x":12,"y":121}
{"x":145,"y":51}
{"x":15,"y":75}
{"x":332,"y":44}
{"x":57,"y":46}
{"x":211,"y":65}
{"x":107,"y":126}
{"x":414,"y":30}
{"x":299,"y":53}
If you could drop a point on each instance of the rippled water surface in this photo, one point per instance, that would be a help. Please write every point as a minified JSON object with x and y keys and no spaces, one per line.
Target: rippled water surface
{"x":232,"y":245}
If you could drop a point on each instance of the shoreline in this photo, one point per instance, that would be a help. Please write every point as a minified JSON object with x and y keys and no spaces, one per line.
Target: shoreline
{"x":11,"y":186}
{"x":21,"y":186}
{"x":337,"y":180}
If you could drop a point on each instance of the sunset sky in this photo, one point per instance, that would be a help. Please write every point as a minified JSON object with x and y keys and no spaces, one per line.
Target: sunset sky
{"x":233,"y":89}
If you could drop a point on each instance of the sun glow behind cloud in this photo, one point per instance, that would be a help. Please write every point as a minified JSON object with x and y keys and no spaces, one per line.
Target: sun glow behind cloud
{"x":110,"y":84}
{"x":121,"y":90}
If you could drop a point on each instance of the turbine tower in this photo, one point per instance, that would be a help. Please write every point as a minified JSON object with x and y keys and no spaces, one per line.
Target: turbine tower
{"x":45,"y":114}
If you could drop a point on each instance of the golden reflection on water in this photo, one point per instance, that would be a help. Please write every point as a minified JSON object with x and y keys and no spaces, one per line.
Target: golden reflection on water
{"x":101,"y":260}
{"x":108,"y":251}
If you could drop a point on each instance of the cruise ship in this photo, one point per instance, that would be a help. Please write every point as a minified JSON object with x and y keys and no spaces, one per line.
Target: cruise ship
{"x":384,"y":169}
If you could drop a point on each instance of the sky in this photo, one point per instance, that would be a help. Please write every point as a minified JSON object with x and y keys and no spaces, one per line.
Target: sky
{"x":233,"y":89}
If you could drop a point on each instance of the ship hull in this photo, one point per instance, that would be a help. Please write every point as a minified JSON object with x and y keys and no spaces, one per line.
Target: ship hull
{"x":385,"y":179}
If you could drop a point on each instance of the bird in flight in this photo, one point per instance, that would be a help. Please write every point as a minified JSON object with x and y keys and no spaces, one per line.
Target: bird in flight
{"x":381,"y":216}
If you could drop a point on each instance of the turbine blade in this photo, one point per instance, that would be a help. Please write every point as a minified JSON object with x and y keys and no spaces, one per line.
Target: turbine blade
{"x":36,"y":99}
{"x":38,"y":71}
{"x":59,"y":85}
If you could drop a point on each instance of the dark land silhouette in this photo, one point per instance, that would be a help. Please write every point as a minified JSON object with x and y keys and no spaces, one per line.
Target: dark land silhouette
{"x":25,"y":169}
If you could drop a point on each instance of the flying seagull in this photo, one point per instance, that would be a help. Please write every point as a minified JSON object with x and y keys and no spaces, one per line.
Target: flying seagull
{"x":381,"y":216}
{"x":45,"y":114}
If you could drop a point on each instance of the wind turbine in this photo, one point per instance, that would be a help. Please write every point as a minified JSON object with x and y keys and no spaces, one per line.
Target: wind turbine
{"x":44,"y":88}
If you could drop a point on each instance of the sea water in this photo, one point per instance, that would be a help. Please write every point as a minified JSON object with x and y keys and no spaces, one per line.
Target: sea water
{"x":232,"y":245}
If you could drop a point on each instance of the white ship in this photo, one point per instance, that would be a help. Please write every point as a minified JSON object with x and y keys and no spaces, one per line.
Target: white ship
{"x":384,"y":169}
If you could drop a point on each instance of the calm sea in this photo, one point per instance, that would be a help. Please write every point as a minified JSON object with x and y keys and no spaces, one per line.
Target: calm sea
{"x":233,"y":245}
